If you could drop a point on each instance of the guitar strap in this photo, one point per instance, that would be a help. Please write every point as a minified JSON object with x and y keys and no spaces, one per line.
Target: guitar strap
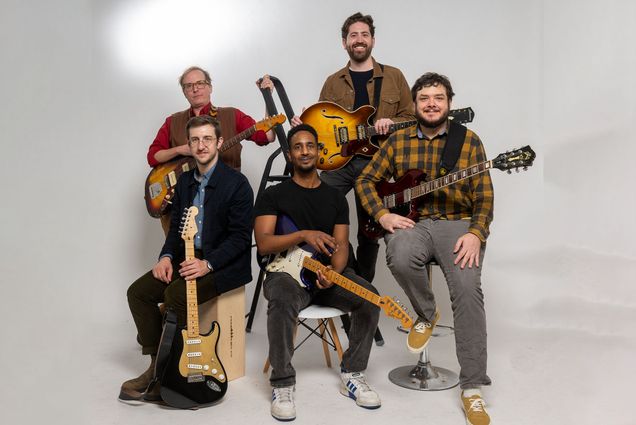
{"x":453,"y":147}
{"x":165,"y":346}
{"x":377,"y":88}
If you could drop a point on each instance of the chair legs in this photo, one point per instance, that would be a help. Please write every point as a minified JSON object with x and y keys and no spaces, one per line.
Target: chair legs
{"x":327,"y":332}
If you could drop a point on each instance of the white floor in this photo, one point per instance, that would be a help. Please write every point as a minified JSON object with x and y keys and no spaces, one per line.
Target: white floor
{"x":540,"y":377}
{"x":566,"y":356}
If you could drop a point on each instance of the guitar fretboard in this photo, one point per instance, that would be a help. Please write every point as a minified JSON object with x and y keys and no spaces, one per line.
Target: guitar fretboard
{"x":191,"y":296}
{"x":238,"y":138}
{"x":315,"y":265}
{"x":394,"y":199}
{"x":461,"y":116}
{"x":393,"y":127}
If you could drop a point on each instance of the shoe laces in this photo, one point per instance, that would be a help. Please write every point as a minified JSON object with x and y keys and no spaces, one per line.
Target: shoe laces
{"x":284,"y":394}
{"x":360,"y":382}
{"x":422,"y":326}
{"x":477,"y":405}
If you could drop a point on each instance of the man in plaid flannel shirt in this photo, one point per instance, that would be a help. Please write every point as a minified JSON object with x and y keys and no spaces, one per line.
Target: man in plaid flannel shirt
{"x":452,"y":230}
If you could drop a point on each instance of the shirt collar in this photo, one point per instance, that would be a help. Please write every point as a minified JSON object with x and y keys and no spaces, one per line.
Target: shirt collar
{"x":205,"y":110}
{"x":205,"y":177}
{"x":442,"y":133}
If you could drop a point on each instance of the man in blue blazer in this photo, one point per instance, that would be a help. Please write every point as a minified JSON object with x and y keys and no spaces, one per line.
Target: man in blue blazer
{"x":222,"y":246}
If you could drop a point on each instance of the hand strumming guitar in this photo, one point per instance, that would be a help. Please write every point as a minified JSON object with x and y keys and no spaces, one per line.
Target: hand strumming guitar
{"x":320,"y":241}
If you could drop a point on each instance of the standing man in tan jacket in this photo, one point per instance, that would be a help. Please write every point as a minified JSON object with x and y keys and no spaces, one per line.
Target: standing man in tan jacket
{"x":352,"y":87}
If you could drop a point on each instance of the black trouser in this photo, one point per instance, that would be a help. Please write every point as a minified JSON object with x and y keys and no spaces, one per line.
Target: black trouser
{"x":145,"y":295}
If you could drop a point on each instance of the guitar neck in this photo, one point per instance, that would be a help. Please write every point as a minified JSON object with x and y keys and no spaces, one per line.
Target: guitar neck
{"x":192,"y":305}
{"x":461,"y":116}
{"x":314,"y":265}
{"x":393,"y":127}
{"x":238,"y":138}
{"x":425,"y":188}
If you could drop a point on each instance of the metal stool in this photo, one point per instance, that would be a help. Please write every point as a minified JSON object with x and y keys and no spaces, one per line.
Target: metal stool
{"x":325,"y":330}
{"x":424,"y":376}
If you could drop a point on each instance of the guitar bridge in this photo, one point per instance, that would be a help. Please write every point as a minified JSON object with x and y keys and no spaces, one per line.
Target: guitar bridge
{"x":195,"y":378}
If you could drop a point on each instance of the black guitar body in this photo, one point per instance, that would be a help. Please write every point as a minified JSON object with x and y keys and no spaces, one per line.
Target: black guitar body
{"x":199,"y":387}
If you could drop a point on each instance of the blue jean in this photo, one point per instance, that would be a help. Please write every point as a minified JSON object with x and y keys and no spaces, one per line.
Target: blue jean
{"x":286,"y":299}
{"x":407,"y":253}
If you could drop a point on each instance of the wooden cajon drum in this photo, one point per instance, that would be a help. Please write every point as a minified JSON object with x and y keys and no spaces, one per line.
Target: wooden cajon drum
{"x":229,"y":310}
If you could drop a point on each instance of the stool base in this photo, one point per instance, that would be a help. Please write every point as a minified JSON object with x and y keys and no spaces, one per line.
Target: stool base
{"x":424,"y":376}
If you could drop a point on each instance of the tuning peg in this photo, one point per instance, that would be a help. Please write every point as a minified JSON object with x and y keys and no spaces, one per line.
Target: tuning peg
{"x":517,"y":169}
{"x":509,"y":172}
{"x":525,"y":168}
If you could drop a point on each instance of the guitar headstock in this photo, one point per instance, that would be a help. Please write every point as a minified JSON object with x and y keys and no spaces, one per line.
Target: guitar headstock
{"x":270,"y":122}
{"x":396,"y":310}
{"x":188,"y":226}
{"x":462,"y":116}
{"x":522,"y":157}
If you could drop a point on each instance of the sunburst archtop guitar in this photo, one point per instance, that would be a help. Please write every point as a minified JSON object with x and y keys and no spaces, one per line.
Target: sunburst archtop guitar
{"x":343,"y":134}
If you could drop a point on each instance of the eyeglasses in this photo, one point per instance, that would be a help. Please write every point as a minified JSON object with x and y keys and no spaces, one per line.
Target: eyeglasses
{"x":198,"y":84}
{"x":207,"y":141}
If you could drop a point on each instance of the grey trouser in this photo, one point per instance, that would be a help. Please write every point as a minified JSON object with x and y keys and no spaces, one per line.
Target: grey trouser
{"x":344,"y":179}
{"x":408,"y":251}
{"x":286,"y":298}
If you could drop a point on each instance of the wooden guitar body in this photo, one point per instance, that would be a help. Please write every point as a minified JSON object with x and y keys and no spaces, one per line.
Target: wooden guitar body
{"x":160,"y":184}
{"x":337,"y":129}
{"x":371,"y":228}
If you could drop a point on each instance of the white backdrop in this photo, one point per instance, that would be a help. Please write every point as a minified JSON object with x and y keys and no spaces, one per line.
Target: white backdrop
{"x":86,"y":85}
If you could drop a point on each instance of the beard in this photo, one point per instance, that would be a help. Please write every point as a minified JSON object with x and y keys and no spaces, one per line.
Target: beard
{"x":359,"y":56}
{"x":421,"y":120}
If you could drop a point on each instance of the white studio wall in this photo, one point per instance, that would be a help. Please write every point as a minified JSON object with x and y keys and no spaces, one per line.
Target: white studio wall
{"x":86,"y":85}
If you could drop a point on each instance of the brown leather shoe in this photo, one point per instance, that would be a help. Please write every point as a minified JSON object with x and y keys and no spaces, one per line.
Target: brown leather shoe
{"x":153,"y":394}
{"x":134,"y":389}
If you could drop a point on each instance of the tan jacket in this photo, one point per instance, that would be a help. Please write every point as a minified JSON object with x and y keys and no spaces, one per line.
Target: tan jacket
{"x":395,"y":99}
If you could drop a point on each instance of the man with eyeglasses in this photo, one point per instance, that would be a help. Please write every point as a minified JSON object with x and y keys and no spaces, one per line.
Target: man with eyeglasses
{"x":222,"y":244}
{"x":171,"y":141}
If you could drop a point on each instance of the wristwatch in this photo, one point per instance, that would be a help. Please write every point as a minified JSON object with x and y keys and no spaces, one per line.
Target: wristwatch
{"x":209,"y":265}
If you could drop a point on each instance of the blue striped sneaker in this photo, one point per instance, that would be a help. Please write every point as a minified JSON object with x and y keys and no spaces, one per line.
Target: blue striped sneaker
{"x":283,"y":407}
{"x":354,"y":385}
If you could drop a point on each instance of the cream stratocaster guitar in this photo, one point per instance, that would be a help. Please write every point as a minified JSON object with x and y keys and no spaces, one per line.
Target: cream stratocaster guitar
{"x":343,"y":134}
{"x":194,"y":375}
{"x":297,"y":261}
{"x":159,"y":187}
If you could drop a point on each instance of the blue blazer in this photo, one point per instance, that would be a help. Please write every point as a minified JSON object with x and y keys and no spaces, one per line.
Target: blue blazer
{"x":227,"y":225}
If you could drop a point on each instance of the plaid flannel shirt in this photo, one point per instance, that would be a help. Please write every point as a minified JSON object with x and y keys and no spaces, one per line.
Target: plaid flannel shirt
{"x":471,"y":198}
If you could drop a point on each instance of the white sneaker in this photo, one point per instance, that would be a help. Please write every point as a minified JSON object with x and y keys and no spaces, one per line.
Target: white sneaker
{"x":283,"y":407}
{"x":354,"y":385}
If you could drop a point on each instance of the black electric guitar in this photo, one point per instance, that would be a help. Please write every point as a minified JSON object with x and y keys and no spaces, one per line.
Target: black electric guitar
{"x":194,"y":375}
{"x":402,"y":196}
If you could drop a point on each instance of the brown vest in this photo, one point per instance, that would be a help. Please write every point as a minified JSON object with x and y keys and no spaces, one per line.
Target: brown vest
{"x":178,"y":136}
